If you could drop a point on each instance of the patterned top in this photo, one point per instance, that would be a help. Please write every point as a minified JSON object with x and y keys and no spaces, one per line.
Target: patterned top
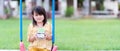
{"x":40,"y":43}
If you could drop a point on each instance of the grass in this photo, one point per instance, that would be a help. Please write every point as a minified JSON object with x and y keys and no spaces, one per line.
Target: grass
{"x":88,"y":34}
{"x":81,"y":34}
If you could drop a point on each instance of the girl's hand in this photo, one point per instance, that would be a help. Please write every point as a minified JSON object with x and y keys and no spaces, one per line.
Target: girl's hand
{"x":48,"y":37}
{"x":33,"y":38}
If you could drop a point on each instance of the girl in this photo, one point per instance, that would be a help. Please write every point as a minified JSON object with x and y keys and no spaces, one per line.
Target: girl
{"x":39,"y":31}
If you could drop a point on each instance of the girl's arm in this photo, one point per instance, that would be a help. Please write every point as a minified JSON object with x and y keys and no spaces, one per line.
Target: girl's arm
{"x":49,"y":32}
{"x":31,"y":37}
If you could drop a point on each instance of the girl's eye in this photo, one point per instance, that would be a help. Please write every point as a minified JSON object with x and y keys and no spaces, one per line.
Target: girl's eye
{"x":36,"y":14}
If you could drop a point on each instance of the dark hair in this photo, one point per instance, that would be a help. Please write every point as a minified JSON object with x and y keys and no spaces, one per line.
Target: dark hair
{"x":41,"y":11}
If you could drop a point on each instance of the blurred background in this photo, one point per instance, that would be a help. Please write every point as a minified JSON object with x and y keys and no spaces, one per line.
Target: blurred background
{"x":79,"y":24}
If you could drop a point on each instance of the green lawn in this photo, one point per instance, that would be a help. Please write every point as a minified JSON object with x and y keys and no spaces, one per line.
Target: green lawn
{"x":82,"y":34}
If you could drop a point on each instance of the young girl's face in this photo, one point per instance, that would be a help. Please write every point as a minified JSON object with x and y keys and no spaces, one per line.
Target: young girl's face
{"x":38,"y":18}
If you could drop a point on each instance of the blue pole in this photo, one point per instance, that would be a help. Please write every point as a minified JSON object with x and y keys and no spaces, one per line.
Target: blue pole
{"x":21,"y":21}
{"x":53,"y":21}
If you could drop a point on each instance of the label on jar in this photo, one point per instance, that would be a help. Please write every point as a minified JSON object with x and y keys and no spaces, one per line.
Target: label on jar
{"x":41,"y":33}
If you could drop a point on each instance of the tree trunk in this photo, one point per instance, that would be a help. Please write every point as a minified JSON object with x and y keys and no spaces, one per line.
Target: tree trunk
{"x":2,"y":9}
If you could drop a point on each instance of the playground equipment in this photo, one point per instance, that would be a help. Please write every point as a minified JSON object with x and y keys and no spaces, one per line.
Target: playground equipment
{"x":54,"y":48}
